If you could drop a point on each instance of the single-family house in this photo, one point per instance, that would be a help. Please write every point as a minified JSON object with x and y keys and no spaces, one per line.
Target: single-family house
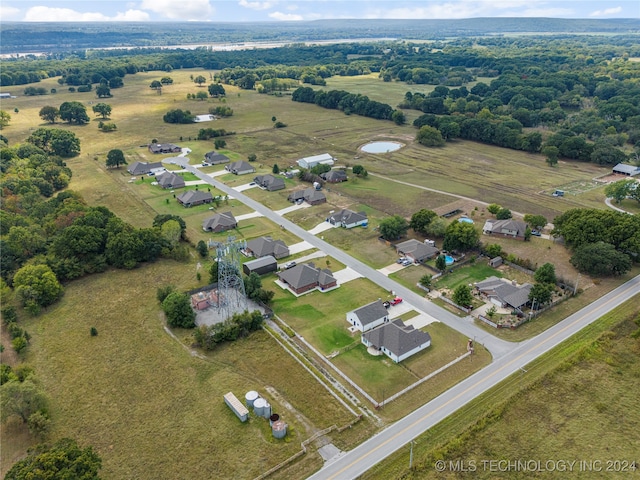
{"x":144,"y":168}
{"x":164,"y":148}
{"x":369,"y":316}
{"x":306,"y":277}
{"x":240,"y":167}
{"x":310,"y":162}
{"x":170,"y":180}
{"x":269,"y":182}
{"x":397,"y":340}
{"x":509,"y":228}
{"x":624,"y":169}
{"x":262,"y":246}
{"x":220,"y":222}
{"x":417,"y":251}
{"x":261,"y":266}
{"x":309,"y":195}
{"x":504,"y":293}
{"x":348,"y":218}
{"x":334,"y":176}
{"x":194,"y":197}
{"x":215,"y":158}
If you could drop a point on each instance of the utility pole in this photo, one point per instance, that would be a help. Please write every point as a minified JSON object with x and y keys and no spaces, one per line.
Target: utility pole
{"x":411,"y":456}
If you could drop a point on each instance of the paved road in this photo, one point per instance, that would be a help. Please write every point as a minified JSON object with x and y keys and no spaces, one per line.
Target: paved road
{"x":374,"y":450}
{"x":496,"y":346}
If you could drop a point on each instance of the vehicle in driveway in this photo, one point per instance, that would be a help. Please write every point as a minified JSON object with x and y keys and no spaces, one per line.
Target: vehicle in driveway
{"x":396,"y":301}
{"x":536,"y":233}
{"x":406,"y":262}
{"x":400,"y":260}
{"x":386,"y":304}
{"x":289,"y":265}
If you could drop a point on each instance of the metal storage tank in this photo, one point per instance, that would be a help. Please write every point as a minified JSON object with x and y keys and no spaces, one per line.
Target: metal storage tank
{"x":251,"y":397}
{"x":259,"y":405}
{"x":266,"y":411}
{"x":273,"y":418}
{"x":279,"y":429}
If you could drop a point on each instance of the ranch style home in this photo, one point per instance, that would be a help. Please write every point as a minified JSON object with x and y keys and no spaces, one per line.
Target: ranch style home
{"x":144,"y":168}
{"x":239,"y":168}
{"x":269,"y":182}
{"x":334,"y":176}
{"x":263,"y":246}
{"x":170,"y":180}
{"x":164,"y":148}
{"x":215,"y":158}
{"x":348,"y":218}
{"x":194,"y":197}
{"x":417,"y":251}
{"x":220,"y":222}
{"x":309,"y":195}
{"x":306,"y":277}
{"x":504,"y":293}
{"x":396,"y":340}
{"x":509,"y":228}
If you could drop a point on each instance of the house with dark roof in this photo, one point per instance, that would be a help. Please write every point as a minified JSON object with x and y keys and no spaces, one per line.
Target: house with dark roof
{"x":269,"y":182}
{"x":348,"y":218}
{"x":624,"y":169}
{"x":309,"y":195}
{"x":417,"y":251}
{"x":262,"y":246}
{"x":306,"y":277}
{"x":220,"y":222}
{"x":369,"y":316}
{"x":240,"y":167}
{"x":504,"y":293}
{"x":164,"y":148}
{"x":170,"y":180}
{"x":215,"y":158}
{"x":194,"y":197}
{"x":509,"y":228}
{"x":261,"y":266}
{"x":334,"y":176}
{"x":396,"y":340}
{"x":144,"y":168}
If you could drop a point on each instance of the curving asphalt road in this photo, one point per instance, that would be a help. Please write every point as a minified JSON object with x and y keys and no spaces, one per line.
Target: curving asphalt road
{"x":360,"y":459}
{"x":496,"y":346}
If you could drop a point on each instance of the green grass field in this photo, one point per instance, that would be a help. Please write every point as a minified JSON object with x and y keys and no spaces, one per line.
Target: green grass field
{"x":578,"y":402}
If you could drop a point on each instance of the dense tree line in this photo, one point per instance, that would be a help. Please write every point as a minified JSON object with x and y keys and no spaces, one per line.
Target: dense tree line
{"x":604,"y":242}
{"x":238,"y":326}
{"x":347,"y":102}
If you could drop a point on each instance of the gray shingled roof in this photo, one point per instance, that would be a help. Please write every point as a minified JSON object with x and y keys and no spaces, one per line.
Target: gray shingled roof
{"x":267,"y":246}
{"x":306,"y":274}
{"x":215,"y":157}
{"x":193,"y":196}
{"x":141,"y":168}
{"x":270,"y":182}
{"x":347,"y":217}
{"x":239,"y":166}
{"x":397,"y":337}
{"x":505,"y":291}
{"x":499,"y":226}
{"x":170,"y":179}
{"x":334,"y":176}
{"x":418,"y":250}
{"x":371,"y":312}
{"x":225,"y":219}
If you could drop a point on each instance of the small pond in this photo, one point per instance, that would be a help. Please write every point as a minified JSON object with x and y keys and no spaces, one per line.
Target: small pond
{"x":381,"y":147}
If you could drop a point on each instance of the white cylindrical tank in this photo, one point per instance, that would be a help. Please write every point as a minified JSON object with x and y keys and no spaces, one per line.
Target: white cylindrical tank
{"x":259,"y":405}
{"x":251,"y":397}
{"x":266,"y":410}
{"x":279,"y":429}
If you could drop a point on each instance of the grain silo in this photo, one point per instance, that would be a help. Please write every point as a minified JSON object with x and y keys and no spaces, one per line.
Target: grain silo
{"x":279,"y":429}
{"x":259,"y":405}
{"x":251,"y":397}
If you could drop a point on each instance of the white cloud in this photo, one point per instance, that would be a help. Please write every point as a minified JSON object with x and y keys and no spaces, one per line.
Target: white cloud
{"x":287,"y":17}
{"x":47,"y":14}
{"x":606,"y":11}
{"x":198,"y":10}
{"x":9,"y":13}
{"x":256,"y":5}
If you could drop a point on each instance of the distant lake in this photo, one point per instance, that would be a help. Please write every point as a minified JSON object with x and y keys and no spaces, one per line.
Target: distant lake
{"x":381,"y":147}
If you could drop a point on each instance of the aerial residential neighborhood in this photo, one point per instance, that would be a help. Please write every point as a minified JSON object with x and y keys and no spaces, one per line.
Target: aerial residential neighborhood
{"x":318,"y":246}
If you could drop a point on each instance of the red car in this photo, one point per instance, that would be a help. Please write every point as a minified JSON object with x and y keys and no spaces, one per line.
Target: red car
{"x":396,"y":301}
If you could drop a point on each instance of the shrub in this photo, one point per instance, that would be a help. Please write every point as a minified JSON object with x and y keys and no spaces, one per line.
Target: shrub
{"x":94,"y":332}
{"x":19,"y":344}
{"x":163,"y":292}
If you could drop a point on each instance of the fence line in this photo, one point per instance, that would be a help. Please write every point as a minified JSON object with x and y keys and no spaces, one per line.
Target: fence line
{"x":451,"y":302}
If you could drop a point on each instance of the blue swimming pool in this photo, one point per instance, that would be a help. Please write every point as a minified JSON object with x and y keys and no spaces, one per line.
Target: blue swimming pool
{"x":465,"y":220}
{"x":449,"y":260}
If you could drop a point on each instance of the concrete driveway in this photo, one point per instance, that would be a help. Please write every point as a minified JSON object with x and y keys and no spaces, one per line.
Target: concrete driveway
{"x":300,"y":247}
{"x":345,"y":275}
{"x":321,"y":227}
{"x":292,"y":208}
{"x":389,"y":269}
{"x":246,"y":186}
{"x":248,"y":215}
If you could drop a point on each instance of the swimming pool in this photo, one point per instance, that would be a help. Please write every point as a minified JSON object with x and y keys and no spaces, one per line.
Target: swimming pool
{"x":465,"y":220}
{"x":449,"y":260}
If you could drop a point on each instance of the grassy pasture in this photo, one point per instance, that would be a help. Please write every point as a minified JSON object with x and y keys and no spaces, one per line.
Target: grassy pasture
{"x":148,"y":394}
{"x":534,"y":415}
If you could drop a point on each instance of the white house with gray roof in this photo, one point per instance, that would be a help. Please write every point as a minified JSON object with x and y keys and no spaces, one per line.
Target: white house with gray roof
{"x":397,"y":340}
{"x":347,"y":218}
{"x":368,"y":317}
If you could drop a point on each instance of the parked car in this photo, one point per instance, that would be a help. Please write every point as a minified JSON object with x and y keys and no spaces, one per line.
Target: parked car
{"x":396,"y":301}
{"x":400,"y":260}
{"x":289,"y":265}
{"x":386,"y":304}
{"x":537,"y":233}
{"x":406,"y":262}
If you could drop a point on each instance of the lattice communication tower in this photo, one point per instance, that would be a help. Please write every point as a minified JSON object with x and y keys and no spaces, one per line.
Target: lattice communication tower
{"x":231,"y":294}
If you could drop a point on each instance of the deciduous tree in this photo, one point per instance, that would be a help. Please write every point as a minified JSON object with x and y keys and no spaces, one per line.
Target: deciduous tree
{"x":460,"y":236}
{"x":115,"y":158}
{"x":102,"y":109}
{"x":462,"y":295}
{"x":74,"y":112}
{"x":600,"y":259}
{"x":546,"y":274}
{"x":49,"y":114}
{"x":421,"y":219}
{"x":178,"y":311}
{"x":429,"y":137}
{"x":37,"y":284}
{"x":394,"y":227}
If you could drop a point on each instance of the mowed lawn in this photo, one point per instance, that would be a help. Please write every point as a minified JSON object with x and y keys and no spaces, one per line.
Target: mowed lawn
{"x":149,"y":407}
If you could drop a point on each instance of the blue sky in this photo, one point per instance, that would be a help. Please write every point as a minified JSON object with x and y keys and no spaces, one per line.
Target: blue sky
{"x":301,"y":10}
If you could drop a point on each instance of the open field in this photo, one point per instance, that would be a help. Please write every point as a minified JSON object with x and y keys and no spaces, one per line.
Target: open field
{"x":535,"y":415}
{"x":148,"y":394}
